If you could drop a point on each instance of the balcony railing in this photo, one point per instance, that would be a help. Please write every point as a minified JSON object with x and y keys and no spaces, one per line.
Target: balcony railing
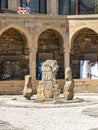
{"x":79,"y":7}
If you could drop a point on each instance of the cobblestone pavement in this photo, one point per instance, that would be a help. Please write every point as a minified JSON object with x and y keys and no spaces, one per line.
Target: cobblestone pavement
{"x":7,"y":126}
{"x":18,"y":114}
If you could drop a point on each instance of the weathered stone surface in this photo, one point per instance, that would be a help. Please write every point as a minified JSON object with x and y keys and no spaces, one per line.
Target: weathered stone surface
{"x":56,"y":92}
{"x":49,"y":46}
{"x":31,"y":36}
{"x":49,"y":69}
{"x":84,"y":48}
{"x":4,"y":125}
{"x":68,"y":95}
{"x":28,"y":91}
{"x":69,"y":85}
{"x":40,"y":92}
{"x":48,"y":88}
{"x":13,"y":63}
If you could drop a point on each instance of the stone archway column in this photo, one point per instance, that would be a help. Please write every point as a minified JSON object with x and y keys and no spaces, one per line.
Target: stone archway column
{"x":76,"y":7}
{"x":66,"y":58}
{"x":32,"y":64}
{"x":52,"y":7}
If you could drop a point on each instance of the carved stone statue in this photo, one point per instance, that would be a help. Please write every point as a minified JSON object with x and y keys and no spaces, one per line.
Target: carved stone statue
{"x":28,"y":91}
{"x":69,"y":85}
{"x":48,"y":83}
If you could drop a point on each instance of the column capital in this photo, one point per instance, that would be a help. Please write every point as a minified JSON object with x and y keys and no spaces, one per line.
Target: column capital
{"x":67,"y":50}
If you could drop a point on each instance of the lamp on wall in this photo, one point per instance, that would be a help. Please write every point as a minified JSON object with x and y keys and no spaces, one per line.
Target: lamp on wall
{"x":28,"y":1}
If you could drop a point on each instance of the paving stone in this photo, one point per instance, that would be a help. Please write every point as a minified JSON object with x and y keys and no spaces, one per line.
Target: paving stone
{"x":91,"y":112}
{"x":67,"y":117}
{"x":94,"y":129}
{"x":7,"y":126}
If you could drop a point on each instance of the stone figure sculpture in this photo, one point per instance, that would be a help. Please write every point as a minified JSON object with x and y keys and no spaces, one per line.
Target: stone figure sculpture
{"x":28,"y":91}
{"x":48,"y":84}
{"x":69,"y":85}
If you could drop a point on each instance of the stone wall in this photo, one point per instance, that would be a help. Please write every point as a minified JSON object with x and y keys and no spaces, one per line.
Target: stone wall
{"x":81,"y":86}
{"x":30,"y":27}
{"x":50,"y":46}
{"x":11,"y":87}
{"x":14,"y":59}
{"x":84,"y":47}
{"x":86,"y":86}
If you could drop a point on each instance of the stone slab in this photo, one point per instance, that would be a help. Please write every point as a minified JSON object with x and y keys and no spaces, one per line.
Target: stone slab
{"x":91,"y":112}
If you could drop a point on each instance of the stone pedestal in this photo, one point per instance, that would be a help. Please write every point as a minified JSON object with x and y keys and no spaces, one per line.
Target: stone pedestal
{"x":56,"y":92}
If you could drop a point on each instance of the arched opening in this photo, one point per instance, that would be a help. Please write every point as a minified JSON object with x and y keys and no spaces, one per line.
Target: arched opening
{"x":50,"y":46}
{"x":14,"y":55}
{"x":84,"y":47}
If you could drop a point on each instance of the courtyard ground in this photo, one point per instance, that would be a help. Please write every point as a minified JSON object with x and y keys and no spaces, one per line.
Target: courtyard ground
{"x":16,"y":113}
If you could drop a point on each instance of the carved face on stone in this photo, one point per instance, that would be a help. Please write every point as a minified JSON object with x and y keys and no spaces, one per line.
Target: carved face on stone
{"x":68,"y":74}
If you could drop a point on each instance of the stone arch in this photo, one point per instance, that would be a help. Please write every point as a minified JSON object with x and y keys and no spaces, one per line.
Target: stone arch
{"x":77,"y":31}
{"x":14,"y":54}
{"x":55,"y":30}
{"x":21,"y":30}
{"x":84,"y":46}
{"x":50,"y":46}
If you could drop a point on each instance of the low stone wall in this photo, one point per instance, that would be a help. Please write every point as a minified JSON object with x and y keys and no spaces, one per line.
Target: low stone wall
{"x":86,"y":86}
{"x":11,"y":87}
{"x":81,"y":86}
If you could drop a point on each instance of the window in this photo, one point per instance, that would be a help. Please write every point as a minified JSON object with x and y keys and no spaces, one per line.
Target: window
{"x":86,"y":7}
{"x":66,"y":7}
{"x":37,"y":6}
{"x":34,"y":5}
{"x":43,"y":6}
{"x":72,"y":7}
{"x":3,"y":4}
{"x":23,"y":3}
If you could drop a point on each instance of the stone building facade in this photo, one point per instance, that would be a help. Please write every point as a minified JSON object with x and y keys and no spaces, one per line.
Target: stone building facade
{"x":28,"y":40}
